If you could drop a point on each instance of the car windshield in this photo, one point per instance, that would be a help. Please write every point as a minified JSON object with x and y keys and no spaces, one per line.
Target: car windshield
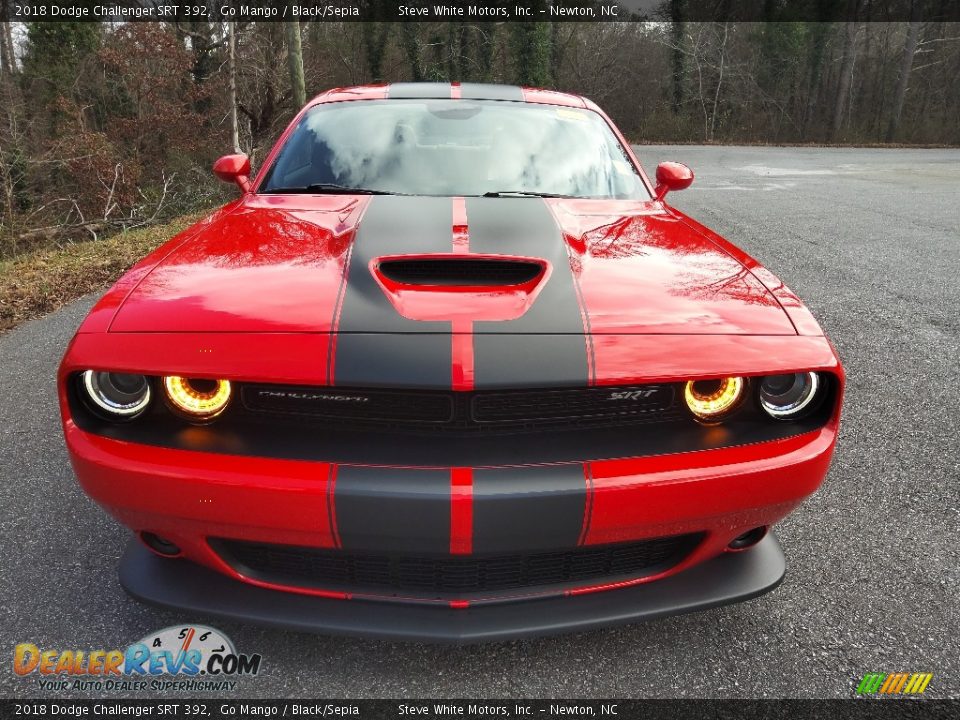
{"x":454,"y":147}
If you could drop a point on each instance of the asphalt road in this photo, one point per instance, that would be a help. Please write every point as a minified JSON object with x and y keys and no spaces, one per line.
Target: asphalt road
{"x":871,"y":240}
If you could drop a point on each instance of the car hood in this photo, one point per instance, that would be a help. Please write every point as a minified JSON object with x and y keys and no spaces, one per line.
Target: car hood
{"x":316,"y":264}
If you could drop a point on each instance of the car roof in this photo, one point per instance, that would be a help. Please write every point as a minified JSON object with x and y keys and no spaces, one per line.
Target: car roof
{"x":454,"y":90}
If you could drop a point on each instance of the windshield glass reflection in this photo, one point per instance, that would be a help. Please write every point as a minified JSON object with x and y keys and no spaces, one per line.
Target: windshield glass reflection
{"x":444,"y":147}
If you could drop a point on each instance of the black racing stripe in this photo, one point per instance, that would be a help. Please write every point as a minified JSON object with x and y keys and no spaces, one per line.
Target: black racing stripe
{"x":393,"y":509}
{"x":588,"y":510}
{"x":575,"y":270}
{"x":527,"y":508}
{"x":376,"y":346}
{"x":376,"y":360}
{"x":546,"y":345}
{"x":418,"y":90}
{"x":335,"y":320}
{"x":331,"y":514}
{"x":483,"y":91}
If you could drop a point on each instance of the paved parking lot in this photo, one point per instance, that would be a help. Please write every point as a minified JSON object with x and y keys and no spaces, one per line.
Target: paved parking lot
{"x":871,"y":240}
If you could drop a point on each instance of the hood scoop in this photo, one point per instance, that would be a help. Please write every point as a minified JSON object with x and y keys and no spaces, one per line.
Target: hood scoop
{"x":460,"y":287}
{"x":485,"y":272}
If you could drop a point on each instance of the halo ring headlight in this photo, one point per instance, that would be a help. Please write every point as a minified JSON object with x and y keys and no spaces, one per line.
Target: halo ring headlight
{"x":711,"y":400}
{"x":197,"y":400}
{"x":785,"y":397}
{"x":116,"y":396}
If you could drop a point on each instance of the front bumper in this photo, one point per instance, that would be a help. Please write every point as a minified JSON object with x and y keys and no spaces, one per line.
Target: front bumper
{"x":187,"y":587}
{"x":191,"y":498}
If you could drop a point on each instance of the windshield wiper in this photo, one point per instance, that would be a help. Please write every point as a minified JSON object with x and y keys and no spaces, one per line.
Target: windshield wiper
{"x":524,"y":193}
{"x":328,"y":189}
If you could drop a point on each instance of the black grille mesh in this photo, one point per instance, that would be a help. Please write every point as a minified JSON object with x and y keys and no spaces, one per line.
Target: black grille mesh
{"x":460,"y":271}
{"x":465,"y":412}
{"x":336,"y":404}
{"x":448,"y":577}
{"x":581,"y":403}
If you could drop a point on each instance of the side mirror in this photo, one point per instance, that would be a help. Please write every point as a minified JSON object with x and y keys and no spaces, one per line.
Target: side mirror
{"x":235,"y":169}
{"x":672,"y":176}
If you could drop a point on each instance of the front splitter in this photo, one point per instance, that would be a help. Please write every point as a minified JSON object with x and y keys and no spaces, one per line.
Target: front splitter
{"x":191,"y":588}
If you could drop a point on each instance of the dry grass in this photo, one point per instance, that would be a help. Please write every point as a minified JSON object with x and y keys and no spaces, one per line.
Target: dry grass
{"x":40,"y":282}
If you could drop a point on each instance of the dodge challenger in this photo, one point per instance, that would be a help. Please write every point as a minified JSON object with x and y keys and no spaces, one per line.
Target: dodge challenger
{"x":450,"y":368}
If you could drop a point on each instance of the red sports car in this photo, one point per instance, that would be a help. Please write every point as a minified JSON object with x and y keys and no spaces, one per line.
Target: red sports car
{"x":449,"y":369}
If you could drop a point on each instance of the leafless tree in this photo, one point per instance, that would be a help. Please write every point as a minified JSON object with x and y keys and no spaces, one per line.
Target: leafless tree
{"x":903,"y":82}
{"x":846,"y":77}
{"x":232,"y":83}
{"x":295,"y":63}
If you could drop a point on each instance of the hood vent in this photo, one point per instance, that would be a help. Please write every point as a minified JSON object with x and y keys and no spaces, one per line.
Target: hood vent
{"x":460,"y":271}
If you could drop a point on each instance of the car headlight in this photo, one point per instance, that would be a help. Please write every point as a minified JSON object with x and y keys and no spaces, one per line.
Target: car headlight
{"x":195,"y":399}
{"x":115,"y":396}
{"x":710,"y":400}
{"x":787,"y":397}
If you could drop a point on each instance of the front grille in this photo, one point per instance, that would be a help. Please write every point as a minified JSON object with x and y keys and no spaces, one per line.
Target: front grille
{"x":468,"y":411}
{"x":336,"y":404}
{"x":585,"y":403}
{"x":460,"y":271}
{"x":453,"y":577}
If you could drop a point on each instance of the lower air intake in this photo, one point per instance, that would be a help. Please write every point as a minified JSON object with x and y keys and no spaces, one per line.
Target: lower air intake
{"x":446,"y":577}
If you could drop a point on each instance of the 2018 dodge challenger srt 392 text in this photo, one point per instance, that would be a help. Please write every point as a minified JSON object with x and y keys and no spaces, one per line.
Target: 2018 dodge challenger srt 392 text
{"x":449,"y":369}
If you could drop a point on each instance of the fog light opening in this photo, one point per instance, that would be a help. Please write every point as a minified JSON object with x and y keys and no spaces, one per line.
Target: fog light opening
{"x":161,"y":546}
{"x":748,"y":539}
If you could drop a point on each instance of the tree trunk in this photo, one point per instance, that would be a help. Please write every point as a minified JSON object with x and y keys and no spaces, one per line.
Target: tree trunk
{"x":453,"y":52}
{"x":413,"y":48}
{"x":8,"y":61}
{"x":375,"y":36}
{"x":530,"y":49}
{"x":906,"y":65}
{"x":232,"y":74}
{"x":676,"y":57}
{"x":11,"y":52}
{"x":818,"y":35}
{"x":716,"y":94}
{"x":486,"y":43}
{"x":295,"y":64}
{"x":846,"y":77}
{"x":556,"y":53}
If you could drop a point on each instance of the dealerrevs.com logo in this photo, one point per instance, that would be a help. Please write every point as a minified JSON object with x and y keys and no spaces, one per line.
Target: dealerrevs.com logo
{"x":188,"y":658}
